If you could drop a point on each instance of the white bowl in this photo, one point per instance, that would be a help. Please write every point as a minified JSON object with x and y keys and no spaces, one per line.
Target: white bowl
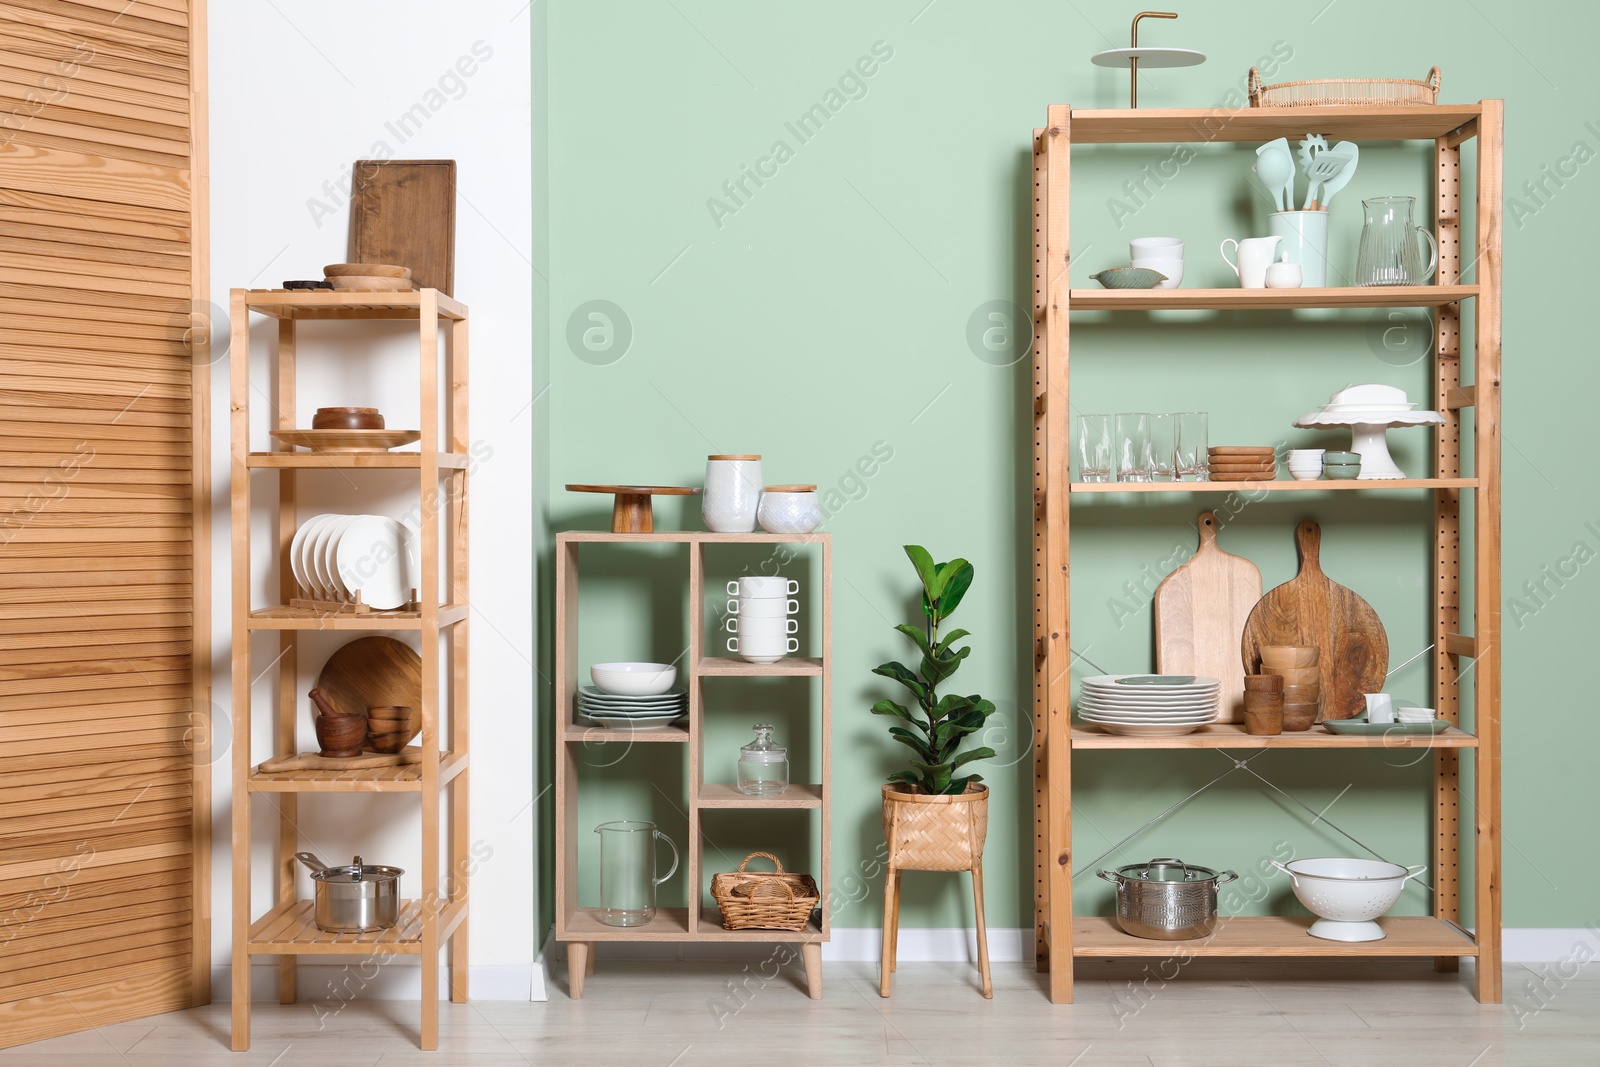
{"x":1347,"y":894}
{"x":634,"y":679}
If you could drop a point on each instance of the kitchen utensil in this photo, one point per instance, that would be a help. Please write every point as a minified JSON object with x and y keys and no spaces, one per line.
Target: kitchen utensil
{"x":1167,"y":899}
{"x":1311,"y":675}
{"x":339,"y":735}
{"x":789,"y":509}
{"x":1349,"y":154}
{"x":1380,"y":707}
{"x":324,"y":557}
{"x":1301,"y":717}
{"x":1263,"y":683}
{"x":1407,"y":714}
{"x":372,"y":671}
{"x":1368,"y":431}
{"x":1193,"y":459}
{"x":1263,"y":723}
{"x":631,"y":512}
{"x":1129,"y":278}
{"x":1161,"y":447}
{"x":1200,"y":611}
{"x":298,"y":564}
{"x":1275,"y":167}
{"x":310,"y":761}
{"x":1257,"y":701}
{"x":1371,"y":395}
{"x":594,"y":696}
{"x":1347,"y":894}
{"x":1280,"y":656}
{"x":1093,"y":443}
{"x":353,"y":282}
{"x":378,"y":562}
{"x":1254,"y":255}
{"x":1361,"y":728}
{"x":1326,"y":167}
{"x":390,"y":728}
{"x":1388,"y":253}
{"x":765,"y":649}
{"x":354,"y":899}
{"x":308,"y":284}
{"x":761,"y":626}
{"x":1344,"y":92}
{"x":1341,"y":471}
{"x":1312,"y":610}
{"x":342,"y":441}
{"x":763,"y":585}
{"x":367,"y":270}
{"x":763,"y":607}
{"x":347,"y":419}
{"x":1302,"y":694}
{"x":627,"y":871}
{"x":1150,"y":57}
{"x":763,"y":767}
{"x":1163,"y":255}
{"x":404,"y":211}
{"x":1284,"y":275}
{"x":1133,"y":446}
{"x":733,"y":493}
{"x":634,"y":679}
{"x":1305,"y":239}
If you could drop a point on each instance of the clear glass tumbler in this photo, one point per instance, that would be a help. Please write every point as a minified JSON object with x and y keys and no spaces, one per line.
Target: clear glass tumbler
{"x":1192,"y":455}
{"x":1161,"y":451}
{"x":1094,"y":452}
{"x":1133,"y":446}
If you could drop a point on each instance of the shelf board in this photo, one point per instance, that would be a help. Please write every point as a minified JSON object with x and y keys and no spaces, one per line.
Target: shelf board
{"x":407,"y":779}
{"x":329,"y":304}
{"x":1275,"y":935}
{"x":690,"y":537}
{"x":348,"y":460}
{"x":728,"y":667}
{"x":288,"y":930}
{"x":576,"y":734}
{"x":1277,"y":485}
{"x":282,"y":617}
{"x":1189,"y":125}
{"x":717,"y":795}
{"x":670,"y":924}
{"x":1351,"y":296}
{"x":710,"y":929}
{"x":1232,"y":735}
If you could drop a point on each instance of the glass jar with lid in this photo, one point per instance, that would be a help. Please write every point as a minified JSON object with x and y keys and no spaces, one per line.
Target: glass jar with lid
{"x":763,"y":766}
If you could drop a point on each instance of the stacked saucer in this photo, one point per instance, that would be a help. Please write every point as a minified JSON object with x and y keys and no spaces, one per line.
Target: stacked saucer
{"x":1242,"y":463}
{"x":1149,"y":705}
{"x":632,"y":712}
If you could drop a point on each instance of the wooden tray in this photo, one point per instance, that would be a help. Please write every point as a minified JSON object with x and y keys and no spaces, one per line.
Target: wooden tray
{"x":342,"y":441}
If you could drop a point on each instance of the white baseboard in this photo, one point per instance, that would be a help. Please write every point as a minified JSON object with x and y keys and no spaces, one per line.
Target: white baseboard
{"x":394,"y":980}
{"x":1550,"y":945}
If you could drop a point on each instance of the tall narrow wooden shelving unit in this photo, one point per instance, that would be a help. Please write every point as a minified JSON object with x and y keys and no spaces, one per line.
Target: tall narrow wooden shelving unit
{"x":580,"y":927}
{"x":439,"y":914}
{"x":1061,"y":936}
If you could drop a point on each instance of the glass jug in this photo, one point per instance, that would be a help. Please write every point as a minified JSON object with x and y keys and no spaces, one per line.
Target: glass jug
{"x":1389,"y":254}
{"x":627,"y":871}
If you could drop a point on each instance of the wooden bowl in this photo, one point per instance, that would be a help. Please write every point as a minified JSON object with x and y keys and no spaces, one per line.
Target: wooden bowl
{"x":389,"y":729}
{"x":1300,"y":716}
{"x":1302,"y":694}
{"x":367,"y":270}
{"x":1273,"y":656}
{"x":340,"y":735}
{"x":1263,"y":683}
{"x":347,"y":419}
{"x":1260,"y":723}
{"x":1296,"y":675}
{"x":346,"y":282}
{"x":1259,"y":701}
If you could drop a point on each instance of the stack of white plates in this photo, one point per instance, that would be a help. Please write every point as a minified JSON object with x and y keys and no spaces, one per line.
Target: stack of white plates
{"x":337,"y":557}
{"x":1149,"y":705}
{"x":632,"y":712}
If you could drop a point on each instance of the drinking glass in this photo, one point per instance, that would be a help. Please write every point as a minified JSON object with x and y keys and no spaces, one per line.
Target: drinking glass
{"x":1161,"y":447}
{"x":1093,"y":441}
{"x":1192,"y":454}
{"x":1133,"y":445}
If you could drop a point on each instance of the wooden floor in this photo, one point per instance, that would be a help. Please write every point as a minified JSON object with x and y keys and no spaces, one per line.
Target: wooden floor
{"x":684,"y":1015}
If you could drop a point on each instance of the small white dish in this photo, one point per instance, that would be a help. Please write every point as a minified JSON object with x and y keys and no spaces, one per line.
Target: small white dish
{"x":633,"y":678}
{"x":324,"y":557}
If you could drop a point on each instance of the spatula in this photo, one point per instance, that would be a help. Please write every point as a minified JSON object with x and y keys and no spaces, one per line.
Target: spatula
{"x":1324,"y":167}
{"x":1346,"y":172}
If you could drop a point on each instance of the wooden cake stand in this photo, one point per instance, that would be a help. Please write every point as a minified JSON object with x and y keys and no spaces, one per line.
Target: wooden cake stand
{"x":632,"y":512}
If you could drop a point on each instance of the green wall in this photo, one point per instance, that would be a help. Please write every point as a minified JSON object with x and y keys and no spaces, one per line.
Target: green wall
{"x":824,"y":315}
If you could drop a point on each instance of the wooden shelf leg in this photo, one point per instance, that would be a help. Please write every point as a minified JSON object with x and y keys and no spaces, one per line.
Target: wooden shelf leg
{"x":241,"y":1001}
{"x":594,"y":953}
{"x":983,"y":932}
{"x":891,"y":932}
{"x":811,"y":951}
{"x":577,"y":967}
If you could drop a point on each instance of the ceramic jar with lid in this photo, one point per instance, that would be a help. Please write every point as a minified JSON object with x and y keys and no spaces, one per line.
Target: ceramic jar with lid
{"x":789,"y":509}
{"x":763,"y":766}
{"x":732,"y":493}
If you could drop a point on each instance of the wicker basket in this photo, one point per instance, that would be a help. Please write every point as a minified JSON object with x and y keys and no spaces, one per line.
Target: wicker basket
{"x":935,"y":833}
{"x":760,"y":900}
{"x":1345,"y":92}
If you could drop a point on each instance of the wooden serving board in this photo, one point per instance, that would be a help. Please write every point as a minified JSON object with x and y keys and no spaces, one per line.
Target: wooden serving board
{"x":1201,"y":610}
{"x":403,"y":212}
{"x":372,"y":671}
{"x":1312,"y":609}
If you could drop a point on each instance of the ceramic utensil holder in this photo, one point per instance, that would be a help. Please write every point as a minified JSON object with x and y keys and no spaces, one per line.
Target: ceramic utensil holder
{"x":1305,"y":240}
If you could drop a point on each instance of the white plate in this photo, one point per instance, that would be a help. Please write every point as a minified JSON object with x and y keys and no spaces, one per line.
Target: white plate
{"x":371,"y":560}
{"x":319,"y":556}
{"x":594,"y":692}
{"x":667,"y":709}
{"x":1129,"y":730}
{"x":1104,"y":720}
{"x":1110,"y":683}
{"x":1148,"y":716}
{"x":1148,"y":705}
{"x":634,"y":724}
{"x":299,"y":554}
{"x":1136,"y":698}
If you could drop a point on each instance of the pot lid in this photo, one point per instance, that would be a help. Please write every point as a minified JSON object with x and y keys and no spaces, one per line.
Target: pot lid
{"x":1166,"y":870}
{"x":356,"y":872}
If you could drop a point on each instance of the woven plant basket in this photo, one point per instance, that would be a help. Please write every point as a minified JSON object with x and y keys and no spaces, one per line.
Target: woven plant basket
{"x":765,"y":900}
{"x":935,"y":833}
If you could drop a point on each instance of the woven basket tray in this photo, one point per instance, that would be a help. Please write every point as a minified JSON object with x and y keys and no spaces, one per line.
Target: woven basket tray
{"x":1345,"y":92}
{"x":761,"y":900}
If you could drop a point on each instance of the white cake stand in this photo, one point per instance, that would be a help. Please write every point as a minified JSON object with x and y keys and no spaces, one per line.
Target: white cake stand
{"x":1369,"y":435}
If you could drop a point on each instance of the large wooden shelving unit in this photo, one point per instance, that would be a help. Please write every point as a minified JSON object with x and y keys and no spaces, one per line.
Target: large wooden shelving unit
{"x":580,"y":927}
{"x":439,"y":914}
{"x":1061,"y":936}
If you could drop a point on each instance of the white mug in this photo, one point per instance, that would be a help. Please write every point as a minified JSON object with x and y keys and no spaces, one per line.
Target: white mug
{"x":1255,"y":256}
{"x":762,"y":607}
{"x":1380,"y":707}
{"x":760,"y":585}
{"x":764,"y":650}
{"x":1164,"y":254}
{"x":732,"y":493}
{"x":754,"y":628}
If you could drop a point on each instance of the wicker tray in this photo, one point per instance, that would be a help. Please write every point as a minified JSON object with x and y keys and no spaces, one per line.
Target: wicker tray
{"x":1345,"y":92}
{"x":759,"y":900}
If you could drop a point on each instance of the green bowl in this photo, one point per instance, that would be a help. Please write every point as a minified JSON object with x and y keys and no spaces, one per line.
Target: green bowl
{"x":1342,"y":457}
{"x":1341,"y":471}
{"x":1129,"y":278}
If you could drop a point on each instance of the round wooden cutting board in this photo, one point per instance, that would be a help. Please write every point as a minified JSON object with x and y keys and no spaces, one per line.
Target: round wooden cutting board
{"x":373,"y":671}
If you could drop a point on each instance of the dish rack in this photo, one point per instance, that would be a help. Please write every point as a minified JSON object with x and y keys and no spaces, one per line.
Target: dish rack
{"x":1346,"y":92}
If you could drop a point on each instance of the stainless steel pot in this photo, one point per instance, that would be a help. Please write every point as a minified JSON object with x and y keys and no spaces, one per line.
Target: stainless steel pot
{"x":1167,"y":899}
{"x":355,"y":899}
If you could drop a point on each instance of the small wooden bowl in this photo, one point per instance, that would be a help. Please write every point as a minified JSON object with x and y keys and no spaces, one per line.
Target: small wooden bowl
{"x":340,"y":735}
{"x":1302,"y":694}
{"x":1263,"y":683}
{"x":347,"y":419}
{"x":1263,"y":723}
{"x":1263,"y":702}
{"x":391,"y":728}
{"x":1298,"y":717}
{"x":1274,"y":656}
{"x":1296,"y":675}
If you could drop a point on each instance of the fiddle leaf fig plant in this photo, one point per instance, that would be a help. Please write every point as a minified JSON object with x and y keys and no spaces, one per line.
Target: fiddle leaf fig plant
{"x":937,"y":725}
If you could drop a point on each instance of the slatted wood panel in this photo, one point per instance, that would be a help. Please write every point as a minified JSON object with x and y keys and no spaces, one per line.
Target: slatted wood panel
{"x":104,"y":573}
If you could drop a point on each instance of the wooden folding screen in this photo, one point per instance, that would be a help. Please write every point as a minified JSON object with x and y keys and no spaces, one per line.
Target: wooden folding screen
{"x":105,"y":705}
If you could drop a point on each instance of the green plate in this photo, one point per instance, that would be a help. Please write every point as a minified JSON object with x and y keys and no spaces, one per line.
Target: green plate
{"x":1361,"y":726}
{"x":1157,"y":679}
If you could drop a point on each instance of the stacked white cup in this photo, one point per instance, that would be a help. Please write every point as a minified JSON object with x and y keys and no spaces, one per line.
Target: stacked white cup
{"x":1164,"y":254}
{"x":1305,"y":464}
{"x":761,"y":618}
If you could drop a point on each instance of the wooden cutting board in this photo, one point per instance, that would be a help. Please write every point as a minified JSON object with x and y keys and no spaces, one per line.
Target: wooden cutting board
{"x":403,"y":211}
{"x":1201,"y":609}
{"x":372,"y":671}
{"x":1312,"y":609}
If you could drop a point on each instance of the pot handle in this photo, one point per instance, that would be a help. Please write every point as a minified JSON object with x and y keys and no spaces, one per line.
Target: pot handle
{"x":1292,"y":879}
{"x":316,"y":865}
{"x":1227,"y":876}
{"x":1410,"y":874}
{"x":1110,"y":876}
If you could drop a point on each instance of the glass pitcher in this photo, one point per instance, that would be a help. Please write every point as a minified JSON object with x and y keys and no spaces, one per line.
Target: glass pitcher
{"x":627,"y":871}
{"x":1389,"y":254}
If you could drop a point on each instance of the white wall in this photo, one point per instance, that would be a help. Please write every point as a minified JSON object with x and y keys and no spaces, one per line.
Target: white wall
{"x":299,"y":90}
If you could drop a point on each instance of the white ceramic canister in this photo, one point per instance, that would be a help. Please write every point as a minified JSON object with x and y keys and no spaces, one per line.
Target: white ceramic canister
{"x":790,"y":509}
{"x":732,"y":493}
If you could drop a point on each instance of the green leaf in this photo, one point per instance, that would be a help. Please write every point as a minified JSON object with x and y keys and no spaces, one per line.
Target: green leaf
{"x":917,"y":635}
{"x":889,"y":707}
{"x":902,"y":674}
{"x":958,"y":786}
{"x":908,"y":777}
{"x":911,"y":740}
{"x":953,"y":586}
{"x":951,"y":704}
{"x":968,"y":757}
{"x":943,"y":649}
{"x":920,"y":559}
